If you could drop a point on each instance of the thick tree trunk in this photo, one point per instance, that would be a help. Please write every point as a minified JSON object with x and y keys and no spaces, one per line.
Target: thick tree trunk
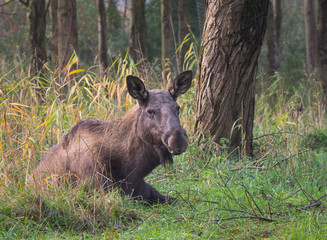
{"x":271,"y":42}
{"x":322,"y":44}
{"x":137,"y":36}
{"x":102,"y":38}
{"x":166,"y":38}
{"x":311,"y":33}
{"x":232,"y":37}
{"x":36,"y":35}
{"x":54,"y":32}
{"x":67,"y":37}
{"x":183,"y":29}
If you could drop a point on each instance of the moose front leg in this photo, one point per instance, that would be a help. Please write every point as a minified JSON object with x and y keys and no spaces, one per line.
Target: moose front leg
{"x":148,"y":193}
{"x":145,"y":191}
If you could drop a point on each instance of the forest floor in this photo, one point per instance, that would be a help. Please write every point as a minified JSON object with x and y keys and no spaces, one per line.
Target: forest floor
{"x":281,"y":198}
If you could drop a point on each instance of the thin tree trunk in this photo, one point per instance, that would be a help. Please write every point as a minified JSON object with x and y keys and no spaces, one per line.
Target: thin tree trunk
{"x":271,"y":42}
{"x":183,"y":29}
{"x":200,"y":8}
{"x":278,"y":21}
{"x":166,"y":38}
{"x":102,"y":38}
{"x":36,"y":35}
{"x":67,"y":38}
{"x":232,"y":37}
{"x":125,"y":14}
{"x":137,"y":37}
{"x":54,"y":32}
{"x":322,"y":44}
{"x":310,"y":36}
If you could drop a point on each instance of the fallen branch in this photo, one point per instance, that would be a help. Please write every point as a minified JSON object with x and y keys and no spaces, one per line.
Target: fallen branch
{"x":249,"y":217}
{"x":315,"y":204}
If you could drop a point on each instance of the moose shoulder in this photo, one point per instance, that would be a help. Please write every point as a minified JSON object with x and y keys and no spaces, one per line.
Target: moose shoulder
{"x":122,"y":152}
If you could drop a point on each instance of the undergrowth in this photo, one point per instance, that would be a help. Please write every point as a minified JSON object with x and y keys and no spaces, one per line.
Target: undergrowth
{"x":279,"y":194}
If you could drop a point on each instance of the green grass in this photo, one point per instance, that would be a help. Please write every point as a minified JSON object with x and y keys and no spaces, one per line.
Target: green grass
{"x":279,"y":194}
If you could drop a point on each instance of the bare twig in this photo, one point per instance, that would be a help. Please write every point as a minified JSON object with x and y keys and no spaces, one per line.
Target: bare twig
{"x":150,"y":215}
{"x":190,"y":204}
{"x":5,"y":3}
{"x":204,"y":166}
{"x":246,"y":217}
{"x":287,"y":158}
{"x":26,"y":3}
{"x":291,"y":195}
{"x":247,"y":192}
{"x":308,"y":196}
{"x":272,"y":134}
{"x":225,"y":184}
{"x":315,"y":204}
{"x":322,"y":197}
{"x":221,"y":209}
{"x":250,"y":167}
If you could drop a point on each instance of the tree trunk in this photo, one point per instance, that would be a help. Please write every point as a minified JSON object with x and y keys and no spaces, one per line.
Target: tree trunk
{"x":102,"y":38}
{"x":183,"y":27}
{"x":322,"y":44}
{"x":271,"y":42}
{"x":137,"y":36}
{"x":125,"y":14}
{"x":278,"y":21}
{"x":311,"y":33}
{"x":232,"y":37}
{"x":166,"y":38}
{"x":36,"y":35}
{"x":200,"y":8}
{"x":54,"y":32}
{"x":67,"y":38}
{"x":114,"y":19}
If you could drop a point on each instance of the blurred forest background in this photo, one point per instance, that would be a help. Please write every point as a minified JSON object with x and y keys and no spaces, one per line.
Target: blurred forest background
{"x":14,"y":32}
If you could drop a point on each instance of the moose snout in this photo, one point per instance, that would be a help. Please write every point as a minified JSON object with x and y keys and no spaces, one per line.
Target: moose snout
{"x":176,"y":141}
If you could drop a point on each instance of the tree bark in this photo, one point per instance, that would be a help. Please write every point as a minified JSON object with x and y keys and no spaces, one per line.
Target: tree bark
{"x":125,"y":14}
{"x":183,"y":30}
{"x":54,"y":32}
{"x":278,"y":21}
{"x":200,"y":8}
{"x":311,"y":34}
{"x":232,"y":37}
{"x":166,"y":38}
{"x":36,"y":35}
{"x":102,"y":38}
{"x":67,"y":38}
{"x":137,"y":36}
{"x":322,"y":44}
{"x":271,"y":42}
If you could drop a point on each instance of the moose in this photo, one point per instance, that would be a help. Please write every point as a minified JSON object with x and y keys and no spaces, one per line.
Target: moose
{"x":123,"y":151}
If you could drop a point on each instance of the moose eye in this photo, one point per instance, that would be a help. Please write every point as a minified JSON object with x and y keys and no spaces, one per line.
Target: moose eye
{"x":151,"y":111}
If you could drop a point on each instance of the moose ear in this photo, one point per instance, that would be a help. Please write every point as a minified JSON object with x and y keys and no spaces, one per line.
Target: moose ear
{"x":137,"y":89}
{"x":181,"y":84}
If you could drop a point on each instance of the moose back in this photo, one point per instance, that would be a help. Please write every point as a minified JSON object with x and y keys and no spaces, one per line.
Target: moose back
{"x":122,"y":152}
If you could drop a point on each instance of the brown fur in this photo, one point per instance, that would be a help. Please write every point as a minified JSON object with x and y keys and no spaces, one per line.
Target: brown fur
{"x":122,"y":152}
